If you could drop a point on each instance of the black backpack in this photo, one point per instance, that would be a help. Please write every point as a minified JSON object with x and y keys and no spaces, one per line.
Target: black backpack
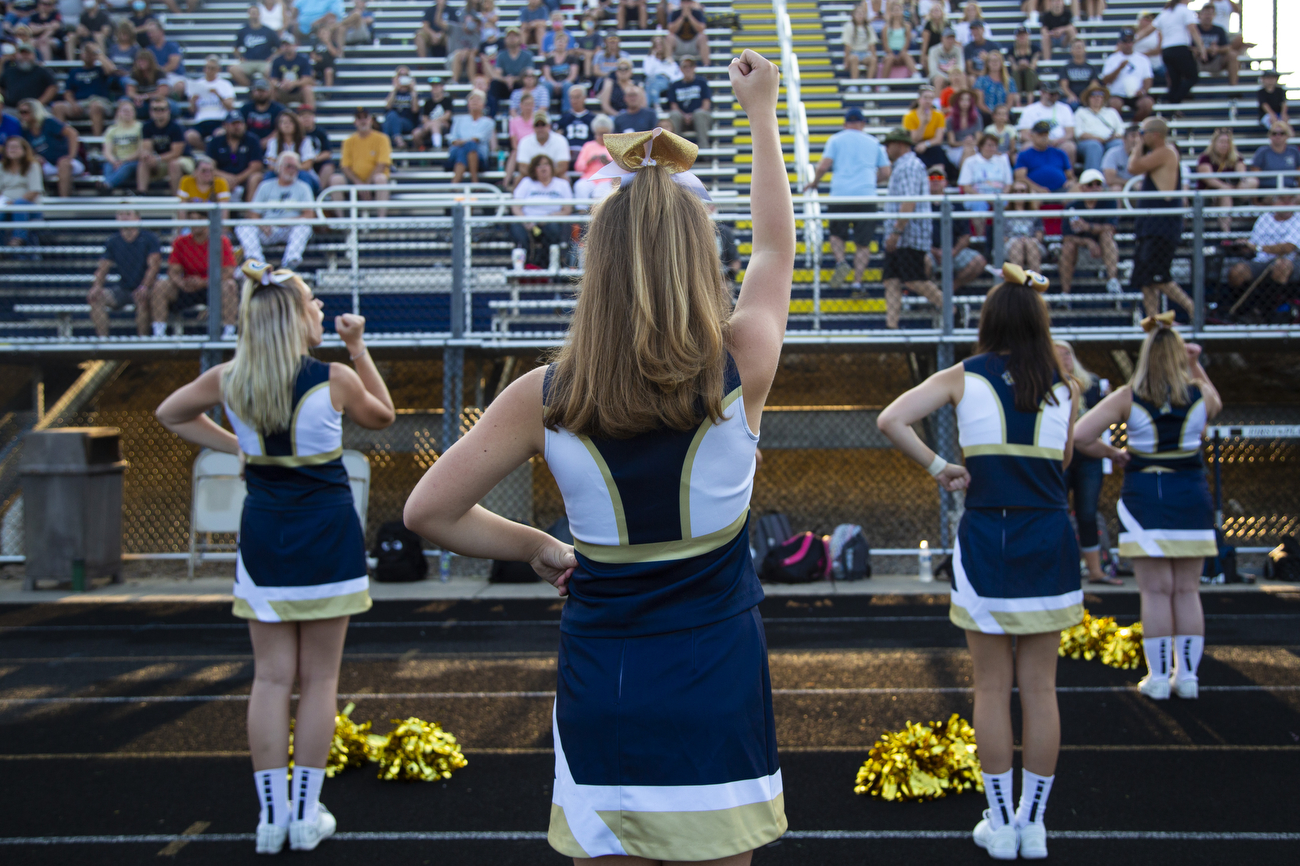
{"x":1283,"y":561}
{"x":802,"y":559}
{"x":772,"y":530}
{"x":850,"y":553}
{"x":400,"y":553}
{"x":505,"y":571}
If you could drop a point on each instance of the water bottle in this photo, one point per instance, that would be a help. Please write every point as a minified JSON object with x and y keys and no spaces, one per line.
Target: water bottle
{"x":925,"y":573}
{"x":554,"y":261}
{"x":517,"y":257}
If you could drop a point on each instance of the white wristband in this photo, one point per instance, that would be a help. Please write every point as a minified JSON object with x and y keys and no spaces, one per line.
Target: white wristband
{"x":937,"y":466}
{"x":359,"y":354}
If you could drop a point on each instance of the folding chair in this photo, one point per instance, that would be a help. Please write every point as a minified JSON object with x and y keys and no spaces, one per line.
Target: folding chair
{"x":218,"y":501}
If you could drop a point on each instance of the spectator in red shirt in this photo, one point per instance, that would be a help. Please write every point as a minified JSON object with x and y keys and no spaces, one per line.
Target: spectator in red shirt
{"x":186,"y":282}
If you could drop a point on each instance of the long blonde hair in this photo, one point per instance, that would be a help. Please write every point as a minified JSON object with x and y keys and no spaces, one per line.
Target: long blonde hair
{"x":649,"y":334}
{"x":1081,"y":376}
{"x":1162,"y":374}
{"x":258,"y":383}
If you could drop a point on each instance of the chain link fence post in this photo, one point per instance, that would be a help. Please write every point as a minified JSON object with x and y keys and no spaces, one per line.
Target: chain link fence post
{"x":946,"y":426}
{"x":998,"y":243}
{"x":210,"y":357}
{"x":453,"y":357}
{"x":1198,"y":263}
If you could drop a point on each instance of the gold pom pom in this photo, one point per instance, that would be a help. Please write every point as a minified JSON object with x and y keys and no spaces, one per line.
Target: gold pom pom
{"x":350,"y":746}
{"x":416,"y":751}
{"x":1103,"y":638}
{"x":922,"y":762}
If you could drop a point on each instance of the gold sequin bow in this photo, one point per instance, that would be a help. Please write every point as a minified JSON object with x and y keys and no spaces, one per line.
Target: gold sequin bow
{"x":632,"y":151}
{"x":262,"y":274}
{"x":1025,"y":277}
{"x":1163,"y":320}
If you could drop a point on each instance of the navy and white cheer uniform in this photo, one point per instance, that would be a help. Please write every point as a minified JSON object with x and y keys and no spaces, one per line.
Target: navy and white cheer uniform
{"x":1165,"y":505}
{"x":1016,"y":559}
{"x":665,"y":742}
{"x":302,"y":553}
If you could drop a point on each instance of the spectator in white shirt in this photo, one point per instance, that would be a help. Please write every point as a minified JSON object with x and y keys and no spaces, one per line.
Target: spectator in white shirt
{"x":1128,"y":75}
{"x":211,"y":99}
{"x":544,"y":141}
{"x":295,"y":199}
{"x":985,"y":173}
{"x":540,"y":184}
{"x":1097,"y":127}
{"x":1274,"y":241}
{"x":659,"y":70}
{"x":1057,"y":114}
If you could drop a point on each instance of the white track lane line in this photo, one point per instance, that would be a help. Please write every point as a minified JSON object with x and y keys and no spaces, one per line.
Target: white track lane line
{"x":538,"y":836}
{"x":406,"y":696}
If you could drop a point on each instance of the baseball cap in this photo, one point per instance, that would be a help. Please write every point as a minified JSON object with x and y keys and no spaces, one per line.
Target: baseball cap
{"x":1126,"y":35}
{"x":541,"y":118}
{"x":1042,"y":127}
{"x":978,"y":22}
{"x":937,"y":171}
{"x":1022,"y":29}
{"x":898,"y":133}
{"x":435,"y":79}
{"x":234,"y":117}
{"x":1268,"y":73}
{"x":854,"y":115}
{"x":1091,"y":176}
{"x":1050,"y":87}
{"x":361,"y":112}
{"x":260,"y":84}
{"x":948,"y":31}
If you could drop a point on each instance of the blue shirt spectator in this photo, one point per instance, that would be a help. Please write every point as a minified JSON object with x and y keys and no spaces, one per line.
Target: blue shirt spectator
{"x":466,"y":128}
{"x":233,"y":160}
{"x":9,"y":126}
{"x":310,"y":11}
{"x":855,"y":160}
{"x":165,"y":52}
{"x":636,"y":121}
{"x":256,"y":43}
{"x":1048,"y":167}
{"x":85,"y":82}
{"x":689,"y":96}
{"x":49,"y":143}
{"x":995,"y":93}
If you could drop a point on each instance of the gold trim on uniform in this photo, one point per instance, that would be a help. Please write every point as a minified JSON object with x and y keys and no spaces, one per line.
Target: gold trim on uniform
{"x":661,"y":551}
{"x":1020,"y":621}
{"x":1013,"y":451}
{"x":1171,"y":549}
{"x":310,"y":608}
{"x":296,"y":460}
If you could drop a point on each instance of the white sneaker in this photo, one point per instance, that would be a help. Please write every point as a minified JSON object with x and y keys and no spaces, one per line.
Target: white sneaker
{"x":270,"y":838}
{"x":306,"y":835}
{"x":1186,"y":687}
{"x":1033,"y":841}
{"x":1113,"y":287}
{"x":1155,"y":689}
{"x":1001,"y":843}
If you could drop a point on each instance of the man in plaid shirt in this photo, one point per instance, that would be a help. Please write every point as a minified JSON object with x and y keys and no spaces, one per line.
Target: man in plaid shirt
{"x":906,"y":241}
{"x":1275,"y":240}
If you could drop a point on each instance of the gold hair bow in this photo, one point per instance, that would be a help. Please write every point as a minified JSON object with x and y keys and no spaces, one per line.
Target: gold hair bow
{"x":1025,"y":277}
{"x":262,"y":274}
{"x":632,"y":151}
{"x":1164,"y":320}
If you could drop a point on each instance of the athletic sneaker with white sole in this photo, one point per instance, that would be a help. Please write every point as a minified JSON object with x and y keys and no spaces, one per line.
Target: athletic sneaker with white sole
{"x":1153,"y":688}
{"x":843,"y":270}
{"x":270,"y":838}
{"x":1186,"y":687}
{"x":306,"y":835}
{"x":1001,"y":843}
{"x":1033,"y":841}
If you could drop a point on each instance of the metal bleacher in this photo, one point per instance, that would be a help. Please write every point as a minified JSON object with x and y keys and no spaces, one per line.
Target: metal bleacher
{"x":42,"y":290}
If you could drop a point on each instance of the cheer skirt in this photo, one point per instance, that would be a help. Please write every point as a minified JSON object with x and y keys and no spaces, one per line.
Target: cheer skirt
{"x":1016,"y":571}
{"x":1166,"y":515}
{"x":665,"y":745}
{"x":300,"y":563}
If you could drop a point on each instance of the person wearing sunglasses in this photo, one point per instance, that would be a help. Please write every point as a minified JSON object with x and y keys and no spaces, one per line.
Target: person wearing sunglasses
{"x":1278,"y":155}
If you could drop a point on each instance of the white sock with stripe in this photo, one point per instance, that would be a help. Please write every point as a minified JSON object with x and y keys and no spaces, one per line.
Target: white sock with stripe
{"x":1159,"y":653}
{"x":273,"y":795}
{"x":1033,"y":798}
{"x":997,"y":788}
{"x":1189,"y":648}
{"x":306,"y":792}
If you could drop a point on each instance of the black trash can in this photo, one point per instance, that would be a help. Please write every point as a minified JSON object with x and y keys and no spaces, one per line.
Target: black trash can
{"x":72,"y":503}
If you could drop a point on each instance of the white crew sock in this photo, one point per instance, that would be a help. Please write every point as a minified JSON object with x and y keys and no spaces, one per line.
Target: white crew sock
{"x":160,"y":329}
{"x":1033,"y":798}
{"x":1159,"y":653}
{"x":306,"y":792}
{"x":1189,"y":648}
{"x":997,"y":787}
{"x":273,"y":795}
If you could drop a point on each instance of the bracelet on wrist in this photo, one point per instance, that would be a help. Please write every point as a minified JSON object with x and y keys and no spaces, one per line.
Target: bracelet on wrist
{"x":936,"y":466}
{"x":363,"y":351}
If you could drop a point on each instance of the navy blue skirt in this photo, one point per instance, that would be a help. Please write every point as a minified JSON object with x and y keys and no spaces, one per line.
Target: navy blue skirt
{"x":1016,"y":571}
{"x":300,"y":563}
{"x":665,"y":745}
{"x":1166,"y":515}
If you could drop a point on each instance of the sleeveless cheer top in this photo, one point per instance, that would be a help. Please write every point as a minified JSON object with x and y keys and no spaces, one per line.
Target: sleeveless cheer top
{"x":660,"y":523}
{"x":301,"y":467}
{"x":1168,"y":437}
{"x":1168,"y":226}
{"x":1014,"y":458}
